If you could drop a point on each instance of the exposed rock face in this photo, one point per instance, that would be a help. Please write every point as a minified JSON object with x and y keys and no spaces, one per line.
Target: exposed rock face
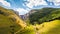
{"x":26,"y":16}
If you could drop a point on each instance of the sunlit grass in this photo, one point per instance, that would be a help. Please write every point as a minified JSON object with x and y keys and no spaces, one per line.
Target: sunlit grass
{"x":27,"y":30}
{"x":50,"y":27}
{"x":6,"y":21}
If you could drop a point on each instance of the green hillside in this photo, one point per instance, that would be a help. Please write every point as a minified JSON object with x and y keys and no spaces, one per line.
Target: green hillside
{"x":44,"y":15}
{"x":9,"y":21}
{"x":46,"y":20}
{"x":52,"y":27}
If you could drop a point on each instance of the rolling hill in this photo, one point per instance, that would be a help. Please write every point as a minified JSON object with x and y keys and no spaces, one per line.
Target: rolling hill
{"x":44,"y":15}
{"x":9,"y":21}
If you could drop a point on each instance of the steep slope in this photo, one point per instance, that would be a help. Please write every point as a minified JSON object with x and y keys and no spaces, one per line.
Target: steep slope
{"x":9,"y":21}
{"x":44,"y":15}
{"x":48,"y":20}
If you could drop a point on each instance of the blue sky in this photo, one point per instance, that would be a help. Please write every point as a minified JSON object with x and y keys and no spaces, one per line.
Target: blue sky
{"x":24,"y":6}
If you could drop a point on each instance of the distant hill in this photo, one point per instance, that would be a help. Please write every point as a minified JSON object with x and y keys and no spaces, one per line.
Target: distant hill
{"x":26,"y":16}
{"x":44,"y":15}
{"x":10,"y":22}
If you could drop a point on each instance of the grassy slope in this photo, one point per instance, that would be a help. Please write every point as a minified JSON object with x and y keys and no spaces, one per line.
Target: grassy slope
{"x":52,"y":27}
{"x":6,"y":22}
{"x":27,"y":30}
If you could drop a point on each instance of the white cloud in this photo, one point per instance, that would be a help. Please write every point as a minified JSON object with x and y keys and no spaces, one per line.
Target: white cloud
{"x":32,"y":3}
{"x":21,"y":11}
{"x":56,"y":2}
{"x":5,"y":3}
{"x":50,"y":0}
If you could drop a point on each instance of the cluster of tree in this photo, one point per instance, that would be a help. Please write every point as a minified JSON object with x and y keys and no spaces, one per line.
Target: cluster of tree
{"x":44,"y":15}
